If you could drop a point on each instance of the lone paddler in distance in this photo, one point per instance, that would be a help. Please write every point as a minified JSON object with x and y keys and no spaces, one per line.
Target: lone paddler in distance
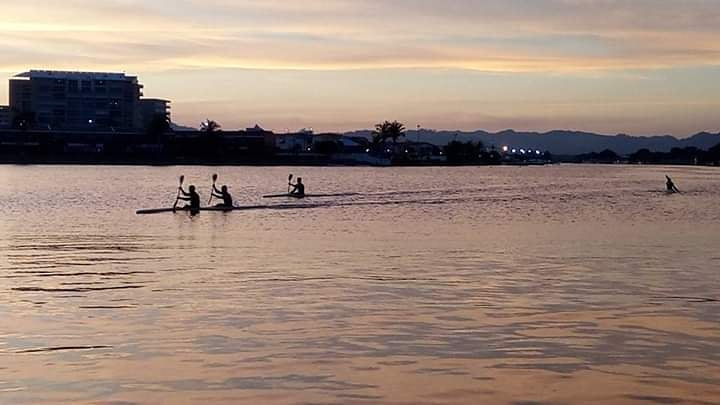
{"x":298,"y":189}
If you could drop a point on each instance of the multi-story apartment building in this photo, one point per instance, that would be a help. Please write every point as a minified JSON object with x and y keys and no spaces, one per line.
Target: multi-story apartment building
{"x":83,"y":101}
{"x":5,"y":120}
{"x":151,"y":108}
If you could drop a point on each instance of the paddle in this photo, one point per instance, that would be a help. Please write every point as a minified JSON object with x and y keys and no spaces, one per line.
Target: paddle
{"x":290,"y":177}
{"x":212,"y":191}
{"x":182,"y":180}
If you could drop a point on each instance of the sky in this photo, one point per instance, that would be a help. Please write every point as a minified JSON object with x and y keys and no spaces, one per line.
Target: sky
{"x":636,"y":66}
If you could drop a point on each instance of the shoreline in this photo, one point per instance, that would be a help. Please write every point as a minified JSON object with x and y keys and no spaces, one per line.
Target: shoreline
{"x":275,"y":163}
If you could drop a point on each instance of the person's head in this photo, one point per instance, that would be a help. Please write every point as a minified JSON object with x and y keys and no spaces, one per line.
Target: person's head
{"x":299,"y":180}
{"x":223,"y":189}
{"x":192,"y":189}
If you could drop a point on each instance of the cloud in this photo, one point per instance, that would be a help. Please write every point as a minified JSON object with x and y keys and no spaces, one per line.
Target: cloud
{"x":352,"y":60}
{"x":508,"y":35}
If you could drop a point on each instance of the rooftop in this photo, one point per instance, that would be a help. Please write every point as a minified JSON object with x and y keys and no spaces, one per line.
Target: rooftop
{"x":58,"y":74}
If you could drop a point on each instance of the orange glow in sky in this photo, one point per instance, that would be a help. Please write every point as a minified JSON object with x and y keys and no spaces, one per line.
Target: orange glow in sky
{"x":640,"y":67}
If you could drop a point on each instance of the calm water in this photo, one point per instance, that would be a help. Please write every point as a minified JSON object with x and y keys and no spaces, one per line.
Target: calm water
{"x":500,"y":285}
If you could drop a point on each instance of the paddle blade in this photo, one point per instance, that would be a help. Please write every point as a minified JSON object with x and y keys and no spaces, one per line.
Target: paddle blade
{"x":182,"y":180}
{"x":290,"y":178}
{"x":214,"y":178}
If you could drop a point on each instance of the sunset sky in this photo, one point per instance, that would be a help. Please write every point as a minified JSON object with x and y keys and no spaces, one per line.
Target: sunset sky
{"x":639,"y":67}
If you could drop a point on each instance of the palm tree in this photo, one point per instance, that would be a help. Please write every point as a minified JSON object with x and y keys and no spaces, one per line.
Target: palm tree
{"x":209,"y":126}
{"x":388,"y":130}
{"x":396,"y":130}
{"x":379,"y":135}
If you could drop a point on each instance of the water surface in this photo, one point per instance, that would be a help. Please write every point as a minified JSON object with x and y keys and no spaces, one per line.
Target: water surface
{"x":503,"y":285}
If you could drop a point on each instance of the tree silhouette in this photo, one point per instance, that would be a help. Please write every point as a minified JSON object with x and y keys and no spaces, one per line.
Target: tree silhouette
{"x":209,"y":126}
{"x":388,"y":130}
{"x":396,"y":130}
{"x":468,"y":153}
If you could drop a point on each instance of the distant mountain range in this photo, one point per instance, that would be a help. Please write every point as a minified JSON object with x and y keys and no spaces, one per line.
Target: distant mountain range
{"x":562,"y":142}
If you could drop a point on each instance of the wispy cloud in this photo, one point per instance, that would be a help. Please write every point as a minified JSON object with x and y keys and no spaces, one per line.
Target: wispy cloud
{"x":614,"y":39}
{"x":508,"y":35}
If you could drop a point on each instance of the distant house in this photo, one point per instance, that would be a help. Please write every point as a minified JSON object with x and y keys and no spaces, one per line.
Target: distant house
{"x":297,"y":142}
{"x":252,"y":139}
{"x":416,"y":152}
{"x":344,"y":144}
{"x":425,"y":151}
{"x":227,"y":145}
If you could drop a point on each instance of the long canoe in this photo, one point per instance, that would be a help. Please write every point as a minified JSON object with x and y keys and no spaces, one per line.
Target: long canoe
{"x":181,"y":209}
{"x":226,"y":209}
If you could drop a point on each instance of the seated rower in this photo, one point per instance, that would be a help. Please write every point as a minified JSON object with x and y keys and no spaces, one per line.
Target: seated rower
{"x":224,"y":195}
{"x":193,"y":197}
{"x":298,"y":188}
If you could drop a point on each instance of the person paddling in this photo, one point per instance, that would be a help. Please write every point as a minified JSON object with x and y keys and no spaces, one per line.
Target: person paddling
{"x":193,"y":197}
{"x":670,"y":185}
{"x":224,"y":195}
{"x":298,"y":188}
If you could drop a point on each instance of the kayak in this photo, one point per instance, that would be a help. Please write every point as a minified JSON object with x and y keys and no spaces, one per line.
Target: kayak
{"x":229,"y":209}
{"x":287,"y":195}
{"x":181,"y":209}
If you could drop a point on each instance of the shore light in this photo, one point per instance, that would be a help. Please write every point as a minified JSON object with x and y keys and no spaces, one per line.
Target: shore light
{"x":505,"y":148}
{"x":514,"y":151}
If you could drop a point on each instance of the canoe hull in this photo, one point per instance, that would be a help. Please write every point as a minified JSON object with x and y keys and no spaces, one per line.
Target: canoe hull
{"x":286,"y":195}
{"x":165,"y":210}
{"x":225,"y":209}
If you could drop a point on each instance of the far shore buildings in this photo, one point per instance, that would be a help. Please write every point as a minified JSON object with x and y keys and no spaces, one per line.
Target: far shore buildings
{"x":80,"y":101}
{"x":61,"y":113}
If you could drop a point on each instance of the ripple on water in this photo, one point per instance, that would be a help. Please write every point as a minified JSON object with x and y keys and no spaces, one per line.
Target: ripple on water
{"x":434,"y":285}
